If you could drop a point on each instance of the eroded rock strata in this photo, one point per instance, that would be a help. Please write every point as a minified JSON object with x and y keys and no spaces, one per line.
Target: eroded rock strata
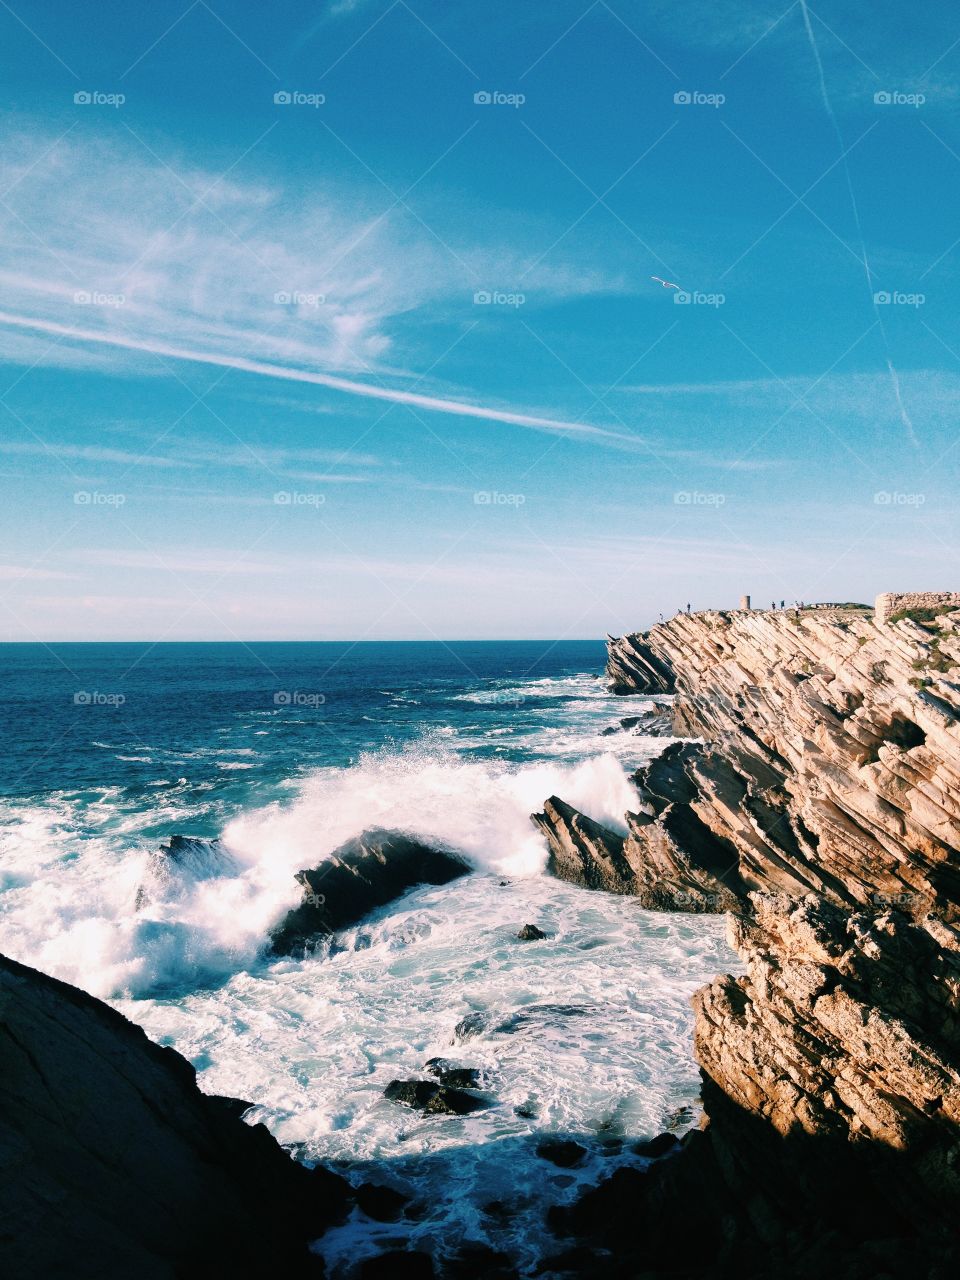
{"x":822,"y":808}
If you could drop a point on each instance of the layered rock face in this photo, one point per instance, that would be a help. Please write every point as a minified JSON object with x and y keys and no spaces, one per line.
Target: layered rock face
{"x":633,"y":667}
{"x":114,"y":1164}
{"x":829,"y":776}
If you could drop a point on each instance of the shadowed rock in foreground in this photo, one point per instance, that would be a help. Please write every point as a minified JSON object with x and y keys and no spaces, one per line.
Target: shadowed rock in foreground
{"x":114,"y":1164}
{"x":365,"y":873}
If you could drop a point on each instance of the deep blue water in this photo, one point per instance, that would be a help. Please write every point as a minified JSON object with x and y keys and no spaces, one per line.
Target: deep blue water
{"x":69,"y":713}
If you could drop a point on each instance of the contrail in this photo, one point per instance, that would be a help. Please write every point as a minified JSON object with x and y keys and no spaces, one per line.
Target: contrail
{"x":894,"y":376}
{"x":458,"y":408}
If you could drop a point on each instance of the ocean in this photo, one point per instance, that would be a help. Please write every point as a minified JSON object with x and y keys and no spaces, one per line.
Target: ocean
{"x":284,"y":751}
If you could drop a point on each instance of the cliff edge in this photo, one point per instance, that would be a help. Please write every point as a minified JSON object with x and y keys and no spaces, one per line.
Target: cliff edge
{"x":820,"y":805}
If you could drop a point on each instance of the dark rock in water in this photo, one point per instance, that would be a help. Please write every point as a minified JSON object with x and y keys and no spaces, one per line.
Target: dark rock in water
{"x":474,"y":1024}
{"x":383,"y":1204}
{"x":365,"y":873}
{"x":413,"y":1093}
{"x":530,"y":933}
{"x":543,"y":1015}
{"x":456,"y":1077}
{"x":184,"y":861}
{"x":579,"y":1261}
{"x":662,"y":1145}
{"x":479,"y":1262}
{"x":398,"y":1264}
{"x":504,"y":884}
{"x":114,"y":1164}
{"x":433,"y":1099}
{"x":609,"y":1211}
{"x":525,"y":1112}
{"x":566,"y":1154}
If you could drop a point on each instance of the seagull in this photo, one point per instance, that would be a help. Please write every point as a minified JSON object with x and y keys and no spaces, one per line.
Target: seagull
{"x":667,"y":284}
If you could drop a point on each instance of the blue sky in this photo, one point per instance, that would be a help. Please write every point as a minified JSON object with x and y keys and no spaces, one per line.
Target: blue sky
{"x":300,"y":339}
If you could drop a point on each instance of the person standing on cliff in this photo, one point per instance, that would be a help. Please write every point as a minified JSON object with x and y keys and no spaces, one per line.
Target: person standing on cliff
{"x":688,"y":606}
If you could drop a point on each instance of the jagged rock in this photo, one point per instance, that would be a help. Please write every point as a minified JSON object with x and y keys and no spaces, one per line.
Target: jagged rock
{"x":457,"y":1077}
{"x":530,"y":933}
{"x":365,"y":873}
{"x":113,"y":1163}
{"x":181,"y":863}
{"x":825,"y":801}
{"x":566,"y":1154}
{"x":433,"y":1099}
{"x":634,"y":667}
{"x":582,"y":851}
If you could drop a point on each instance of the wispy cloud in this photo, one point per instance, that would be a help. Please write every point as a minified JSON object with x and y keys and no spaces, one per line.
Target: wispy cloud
{"x":123,"y":255}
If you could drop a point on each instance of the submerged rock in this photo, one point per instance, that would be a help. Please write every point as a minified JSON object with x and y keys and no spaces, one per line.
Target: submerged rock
{"x":566,"y":1154}
{"x":367,"y":872}
{"x":113,"y":1163}
{"x":473,"y":1025}
{"x":530,"y":933}
{"x":383,"y":1204}
{"x":433,"y":1099}
{"x":398,"y":1264}
{"x":663,"y":1144}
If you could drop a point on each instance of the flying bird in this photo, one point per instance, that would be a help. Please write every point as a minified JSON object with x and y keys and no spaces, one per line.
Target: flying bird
{"x":667,"y":284}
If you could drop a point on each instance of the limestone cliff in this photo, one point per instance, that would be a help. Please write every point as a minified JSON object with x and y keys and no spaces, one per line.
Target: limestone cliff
{"x":824,"y":799}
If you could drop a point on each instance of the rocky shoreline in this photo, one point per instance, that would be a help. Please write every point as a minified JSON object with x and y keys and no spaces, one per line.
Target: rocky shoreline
{"x":821,"y":807}
{"x":814,"y":797}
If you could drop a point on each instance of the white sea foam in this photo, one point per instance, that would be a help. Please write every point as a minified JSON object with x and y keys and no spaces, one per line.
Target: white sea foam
{"x":73,"y":912}
{"x":588,"y":1031}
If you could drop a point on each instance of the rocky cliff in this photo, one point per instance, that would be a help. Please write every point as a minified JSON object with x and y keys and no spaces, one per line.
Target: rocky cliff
{"x":822,"y":807}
